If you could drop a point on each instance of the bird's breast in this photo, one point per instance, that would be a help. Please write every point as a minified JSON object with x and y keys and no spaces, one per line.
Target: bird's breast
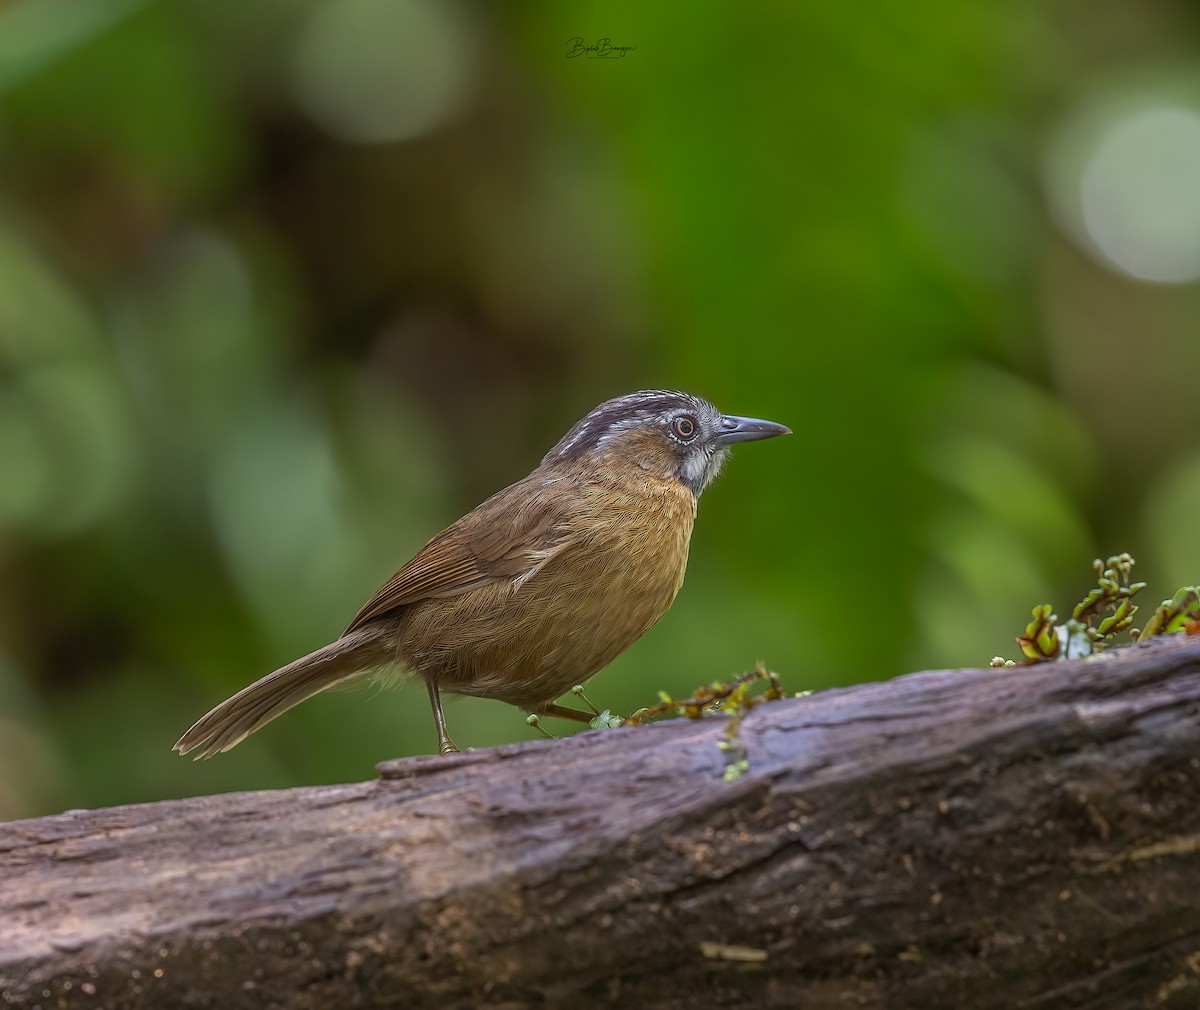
{"x":630,"y":556}
{"x":531,"y":640}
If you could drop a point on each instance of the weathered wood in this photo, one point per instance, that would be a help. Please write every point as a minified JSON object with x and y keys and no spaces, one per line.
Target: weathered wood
{"x":975,"y":838}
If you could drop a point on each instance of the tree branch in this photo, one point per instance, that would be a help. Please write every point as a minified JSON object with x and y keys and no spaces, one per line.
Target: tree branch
{"x":1027,"y":837}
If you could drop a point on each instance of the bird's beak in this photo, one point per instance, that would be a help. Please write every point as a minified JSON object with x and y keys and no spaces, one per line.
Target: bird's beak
{"x":747,"y":429}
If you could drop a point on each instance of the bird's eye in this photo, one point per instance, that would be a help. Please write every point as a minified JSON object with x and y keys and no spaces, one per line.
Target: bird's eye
{"x":684,"y":427}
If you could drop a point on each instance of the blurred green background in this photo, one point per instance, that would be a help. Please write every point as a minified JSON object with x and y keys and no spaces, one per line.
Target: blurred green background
{"x":285,"y":288}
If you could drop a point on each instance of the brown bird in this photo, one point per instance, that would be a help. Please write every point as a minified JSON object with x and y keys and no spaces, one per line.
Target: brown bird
{"x":541,"y":586}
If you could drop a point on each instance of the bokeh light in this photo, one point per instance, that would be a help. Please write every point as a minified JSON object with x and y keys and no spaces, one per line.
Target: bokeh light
{"x":383,"y":70}
{"x":1141,"y":194}
{"x":1125,"y":182}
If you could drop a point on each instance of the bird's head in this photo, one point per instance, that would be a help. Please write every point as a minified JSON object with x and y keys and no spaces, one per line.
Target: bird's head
{"x":667,"y":433}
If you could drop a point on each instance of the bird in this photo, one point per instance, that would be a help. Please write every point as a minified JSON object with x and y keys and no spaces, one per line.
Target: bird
{"x":539,"y":587}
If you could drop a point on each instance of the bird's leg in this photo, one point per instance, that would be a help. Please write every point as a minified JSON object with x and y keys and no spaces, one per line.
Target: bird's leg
{"x":445,"y":744}
{"x":562,"y":712}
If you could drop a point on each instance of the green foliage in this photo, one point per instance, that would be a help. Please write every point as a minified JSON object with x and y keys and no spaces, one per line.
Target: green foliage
{"x":1040,"y":640}
{"x":1103,"y":614}
{"x":1180,"y":613}
{"x":732,"y":699}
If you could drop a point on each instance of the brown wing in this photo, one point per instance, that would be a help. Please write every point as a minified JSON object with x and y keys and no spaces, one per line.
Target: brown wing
{"x":507,"y":538}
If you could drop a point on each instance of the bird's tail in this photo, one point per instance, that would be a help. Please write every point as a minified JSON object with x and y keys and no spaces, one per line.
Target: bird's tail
{"x":253,"y":707}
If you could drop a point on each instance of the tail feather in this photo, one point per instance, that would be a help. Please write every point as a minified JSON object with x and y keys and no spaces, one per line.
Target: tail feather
{"x":253,"y":707}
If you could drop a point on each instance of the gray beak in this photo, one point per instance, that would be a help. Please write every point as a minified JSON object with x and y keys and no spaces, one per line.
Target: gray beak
{"x":747,"y":429}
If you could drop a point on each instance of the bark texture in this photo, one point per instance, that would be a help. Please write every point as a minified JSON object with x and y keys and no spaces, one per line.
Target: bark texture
{"x":960,"y":839}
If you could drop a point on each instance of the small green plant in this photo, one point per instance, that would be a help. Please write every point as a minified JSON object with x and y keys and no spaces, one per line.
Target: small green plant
{"x":732,"y":698}
{"x":1180,"y":613}
{"x":1103,"y":614}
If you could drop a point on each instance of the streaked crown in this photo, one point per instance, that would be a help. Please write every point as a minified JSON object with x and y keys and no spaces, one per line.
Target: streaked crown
{"x":689,"y":438}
